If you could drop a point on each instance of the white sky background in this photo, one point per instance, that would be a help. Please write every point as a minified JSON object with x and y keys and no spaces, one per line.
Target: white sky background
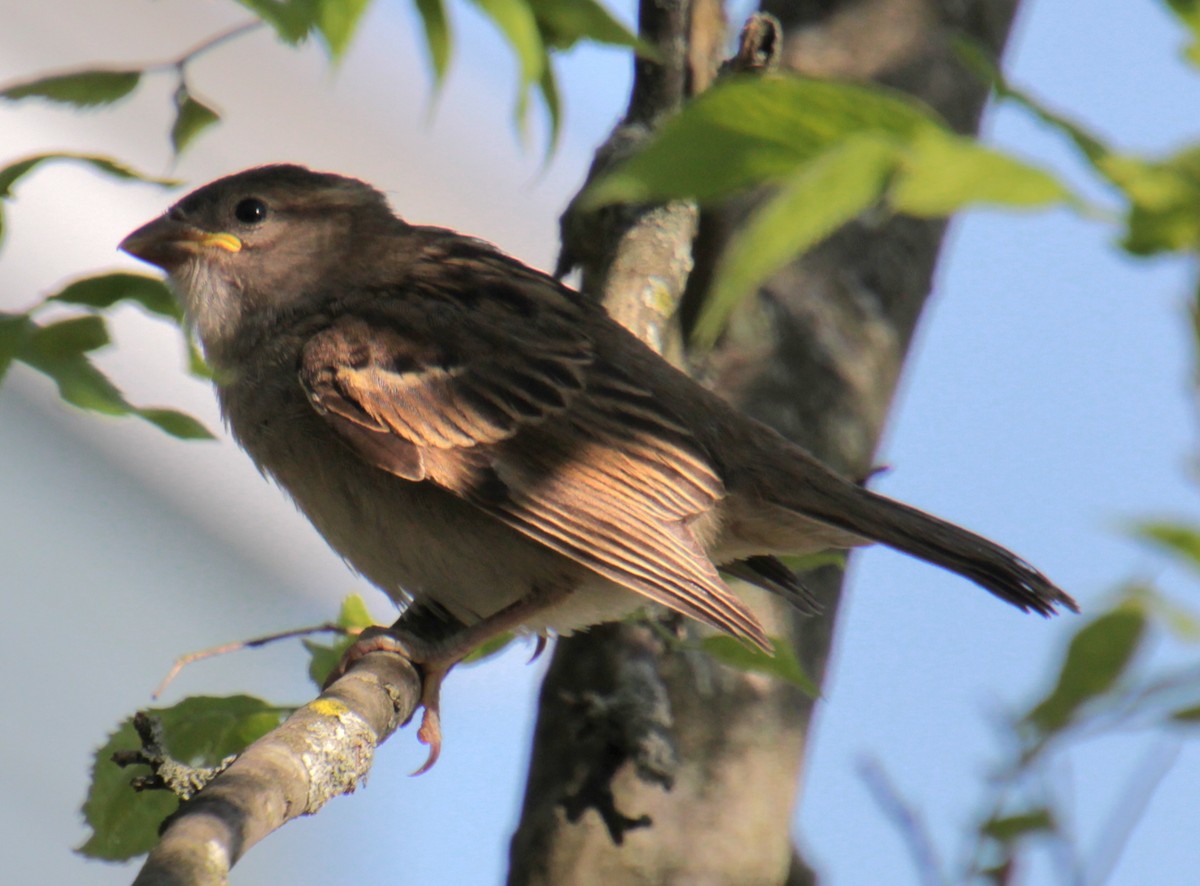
{"x":1046,"y":402}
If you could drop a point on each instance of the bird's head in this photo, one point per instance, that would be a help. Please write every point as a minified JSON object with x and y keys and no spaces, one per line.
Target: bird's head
{"x":248,"y":248}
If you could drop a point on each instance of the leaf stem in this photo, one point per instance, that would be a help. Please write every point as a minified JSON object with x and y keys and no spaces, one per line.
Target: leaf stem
{"x":206,"y":46}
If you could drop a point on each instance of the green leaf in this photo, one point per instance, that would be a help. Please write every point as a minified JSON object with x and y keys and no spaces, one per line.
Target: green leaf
{"x":1164,"y":215}
{"x":177,"y":424}
{"x":337,"y":21}
{"x":59,"y":351}
{"x":783,"y":664}
{"x":564,"y":23}
{"x":1180,"y":621}
{"x":750,"y":130}
{"x":292,"y":20}
{"x":14,"y":334}
{"x":819,"y":560}
{"x":1177,"y":538}
{"x":831,"y":150}
{"x":515,"y":20}
{"x":1188,"y":716}
{"x":105,"y":290}
{"x":201,"y":731}
{"x":819,"y":198}
{"x":1188,"y":12}
{"x":978,"y":58}
{"x":943,"y":172}
{"x":353,"y":613}
{"x":124,"y":823}
{"x":12,"y":173}
{"x":324,"y":657}
{"x":1098,"y":655}
{"x":69,"y":338}
{"x":548,"y":89}
{"x":488,"y":649}
{"x":81,"y":384}
{"x":1164,"y":196}
{"x":106,"y":165}
{"x":753,"y":130}
{"x":191,"y":118}
{"x":79,"y":88}
{"x":437,"y":36}
{"x":1012,"y":827}
{"x":197,"y":365}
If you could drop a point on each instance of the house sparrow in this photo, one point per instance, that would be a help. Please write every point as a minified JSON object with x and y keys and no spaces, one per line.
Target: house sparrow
{"x":489,"y":447}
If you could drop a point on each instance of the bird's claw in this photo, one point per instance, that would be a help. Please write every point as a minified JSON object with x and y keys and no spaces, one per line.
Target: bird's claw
{"x":538,"y":649}
{"x":430,"y":731}
{"x":433,"y":672}
{"x":430,"y":734}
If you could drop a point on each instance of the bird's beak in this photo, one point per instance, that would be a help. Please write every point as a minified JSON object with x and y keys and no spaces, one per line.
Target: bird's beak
{"x":168,"y":243}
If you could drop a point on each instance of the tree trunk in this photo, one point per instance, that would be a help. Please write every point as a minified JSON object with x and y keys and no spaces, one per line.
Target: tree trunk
{"x":816,"y":354}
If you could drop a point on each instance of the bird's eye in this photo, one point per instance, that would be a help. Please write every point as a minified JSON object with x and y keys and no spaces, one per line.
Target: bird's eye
{"x":250,"y":211}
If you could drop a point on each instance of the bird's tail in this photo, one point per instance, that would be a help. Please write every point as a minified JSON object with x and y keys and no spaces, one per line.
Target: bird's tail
{"x":813,"y":492}
{"x":823,"y":496}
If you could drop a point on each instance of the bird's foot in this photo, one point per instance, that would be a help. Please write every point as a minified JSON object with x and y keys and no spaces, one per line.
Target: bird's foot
{"x":433,"y":660}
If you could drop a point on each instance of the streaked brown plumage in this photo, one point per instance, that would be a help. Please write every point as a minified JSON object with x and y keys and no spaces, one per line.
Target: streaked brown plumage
{"x":471,"y":435}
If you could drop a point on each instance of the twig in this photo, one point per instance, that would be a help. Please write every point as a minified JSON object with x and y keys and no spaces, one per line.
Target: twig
{"x":1129,"y":809}
{"x":1058,"y":785}
{"x":206,"y":46}
{"x":906,"y":819}
{"x":167,"y":773}
{"x":238,"y":645}
{"x":321,"y":751}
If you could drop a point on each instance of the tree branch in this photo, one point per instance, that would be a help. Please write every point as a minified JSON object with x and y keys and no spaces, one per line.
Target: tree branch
{"x":321,"y":751}
{"x":636,"y":259}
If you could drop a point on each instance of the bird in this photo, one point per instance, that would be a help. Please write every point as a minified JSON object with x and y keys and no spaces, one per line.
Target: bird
{"x":490,"y":448}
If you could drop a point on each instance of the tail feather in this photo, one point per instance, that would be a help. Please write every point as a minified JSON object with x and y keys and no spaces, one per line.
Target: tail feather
{"x":772,"y":575}
{"x":870,"y":515}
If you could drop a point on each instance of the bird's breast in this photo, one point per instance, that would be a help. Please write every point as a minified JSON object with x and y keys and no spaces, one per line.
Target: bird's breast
{"x":413,"y":540}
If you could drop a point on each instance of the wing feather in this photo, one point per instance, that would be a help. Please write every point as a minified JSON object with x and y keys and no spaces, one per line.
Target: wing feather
{"x":501,"y":397}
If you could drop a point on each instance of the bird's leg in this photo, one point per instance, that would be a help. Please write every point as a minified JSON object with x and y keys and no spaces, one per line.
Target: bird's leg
{"x":435,"y":658}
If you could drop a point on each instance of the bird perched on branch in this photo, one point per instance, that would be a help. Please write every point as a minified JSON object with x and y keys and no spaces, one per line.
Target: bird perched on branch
{"x":485,"y":444}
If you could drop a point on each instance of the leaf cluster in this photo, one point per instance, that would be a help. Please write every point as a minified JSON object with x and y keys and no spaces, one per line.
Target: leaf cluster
{"x":534,"y":28}
{"x":60,"y":346}
{"x":823,"y":154}
{"x":1106,"y":685}
{"x":200,"y":731}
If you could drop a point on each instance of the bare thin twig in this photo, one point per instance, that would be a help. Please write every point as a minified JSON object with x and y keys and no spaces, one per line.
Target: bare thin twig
{"x":906,"y":819}
{"x":208,"y":45}
{"x":1140,"y":787}
{"x":238,"y":645}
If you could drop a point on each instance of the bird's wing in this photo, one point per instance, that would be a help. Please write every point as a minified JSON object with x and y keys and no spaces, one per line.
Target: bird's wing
{"x":495,"y":392}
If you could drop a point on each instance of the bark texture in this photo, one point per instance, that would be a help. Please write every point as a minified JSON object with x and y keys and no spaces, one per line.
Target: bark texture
{"x":816,"y":354}
{"x":322,"y":750}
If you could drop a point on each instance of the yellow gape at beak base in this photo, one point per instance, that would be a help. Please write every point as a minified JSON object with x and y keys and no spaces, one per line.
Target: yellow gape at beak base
{"x":224,"y":241}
